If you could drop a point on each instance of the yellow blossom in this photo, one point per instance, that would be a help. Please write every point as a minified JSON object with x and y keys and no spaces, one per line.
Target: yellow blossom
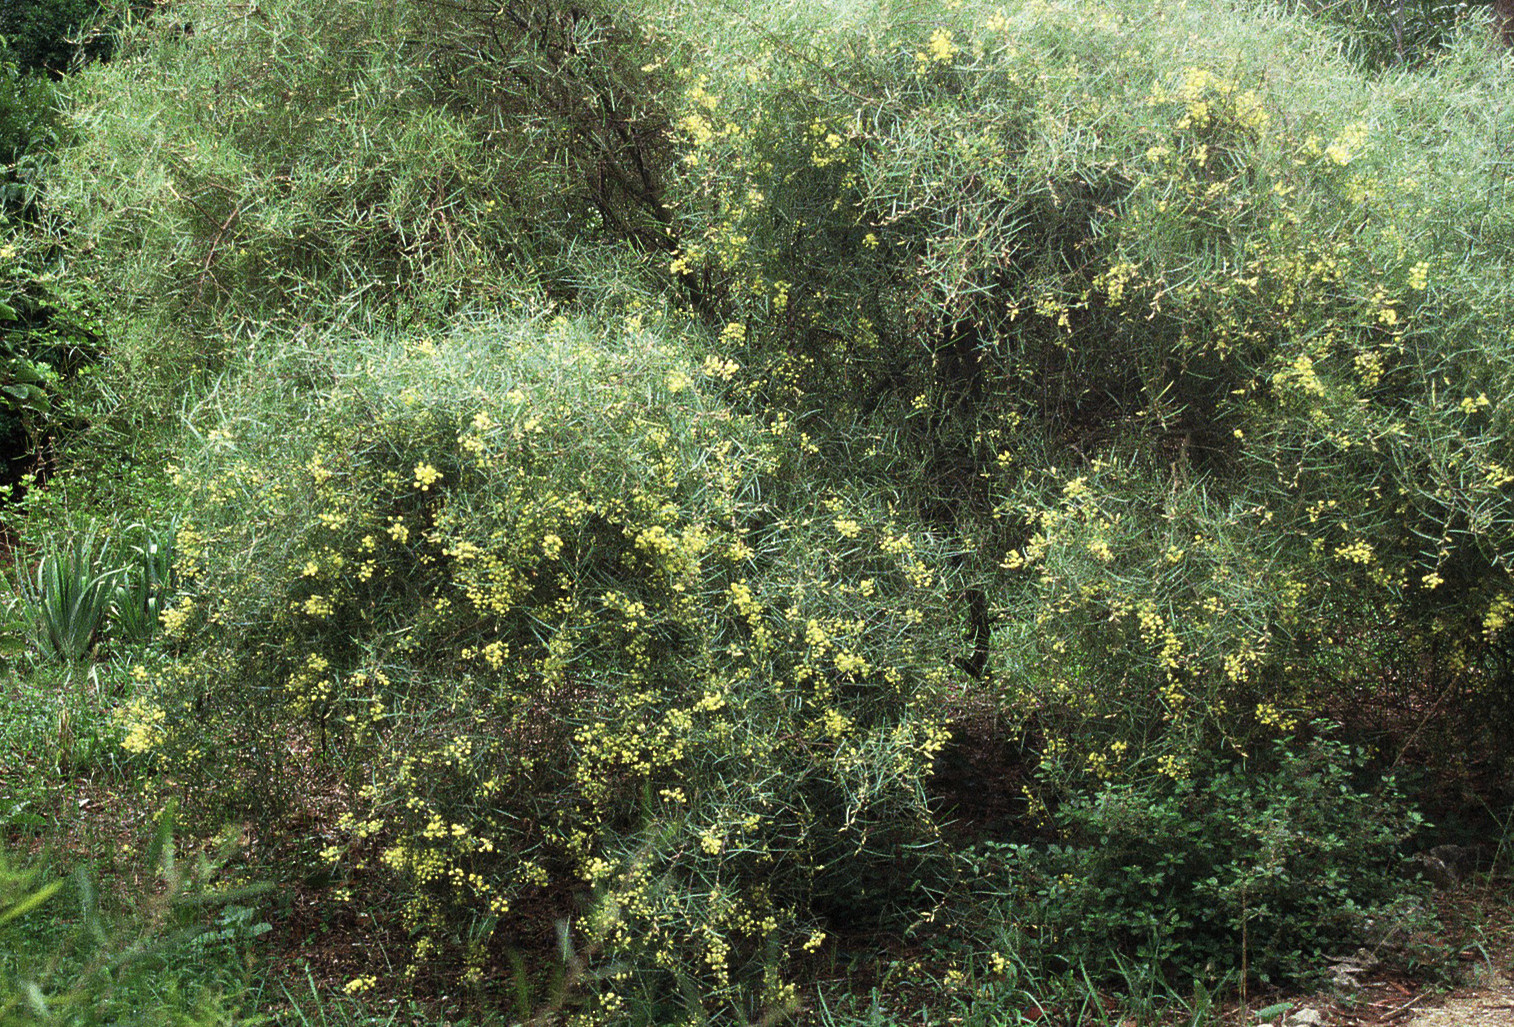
{"x":426,"y":476}
{"x":941,"y":47}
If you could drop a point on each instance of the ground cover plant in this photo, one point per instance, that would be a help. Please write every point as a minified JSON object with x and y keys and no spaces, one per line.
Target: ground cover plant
{"x":95,"y":963}
{"x":594,"y":470}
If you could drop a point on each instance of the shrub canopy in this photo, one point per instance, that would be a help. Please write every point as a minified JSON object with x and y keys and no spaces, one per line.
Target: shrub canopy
{"x":618,"y":416}
{"x":565,"y":614}
{"x":1167,"y":309}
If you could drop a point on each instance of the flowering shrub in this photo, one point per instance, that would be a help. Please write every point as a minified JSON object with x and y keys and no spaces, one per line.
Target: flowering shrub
{"x":568,"y":620}
{"x":1145,"y":338}
{"x":1188,"y":358}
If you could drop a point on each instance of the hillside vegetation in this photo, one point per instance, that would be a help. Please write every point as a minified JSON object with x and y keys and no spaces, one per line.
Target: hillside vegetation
{"x":684,"y":513}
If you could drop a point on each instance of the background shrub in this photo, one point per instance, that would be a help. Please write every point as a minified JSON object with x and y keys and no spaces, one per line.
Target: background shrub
{"x":1380,"y":36}
{"x":1266,"y":865}
{"x":51,"y":38}
{"x":311,"y":161}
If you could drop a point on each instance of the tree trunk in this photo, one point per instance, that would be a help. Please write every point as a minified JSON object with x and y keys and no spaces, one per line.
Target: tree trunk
{"x":1503,"y":21}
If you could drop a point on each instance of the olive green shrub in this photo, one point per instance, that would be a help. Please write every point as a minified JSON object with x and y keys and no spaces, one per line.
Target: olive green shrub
{"x":303,"y":161}
{"x":568,"y":621}
{"x":1168,"y":312}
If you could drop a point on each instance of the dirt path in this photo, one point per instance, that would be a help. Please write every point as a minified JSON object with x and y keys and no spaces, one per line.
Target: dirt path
{"x":1491,"y":1005}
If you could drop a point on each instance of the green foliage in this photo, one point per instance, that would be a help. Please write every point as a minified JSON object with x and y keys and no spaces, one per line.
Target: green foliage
{"x":69,"y":596}
{"x":28,"y":376}
{"x":28,"y":121}
{"x":89,"y":965}
{"x":345,"y":159}
{"x":50,"y":36}
{"x":1160,"y":339}
{"x":59,"y":727}
{"x":1264,"y":866}
{"x":1378,"y":36}
{"x":82,"y":587}
{"x":25,"y":399}
{"x":144,"y":586}
{"x":568,"y":622}
{"x":1178,"y":341}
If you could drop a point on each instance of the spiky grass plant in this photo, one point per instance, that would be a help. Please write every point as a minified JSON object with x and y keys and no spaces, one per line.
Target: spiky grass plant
{"x":143,"y":587}
{"x":68,"y":596}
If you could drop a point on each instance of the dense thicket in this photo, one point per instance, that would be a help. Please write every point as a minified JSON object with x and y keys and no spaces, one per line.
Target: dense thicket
{"x":50,"y":37}
{"x":625,"y":441}
{"x":1185,"y":337}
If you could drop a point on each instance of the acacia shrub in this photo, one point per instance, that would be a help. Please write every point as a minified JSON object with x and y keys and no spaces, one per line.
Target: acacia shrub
{"x":569,"y":624}
{"x":1164,"y":311}
{"x":311,"y":162}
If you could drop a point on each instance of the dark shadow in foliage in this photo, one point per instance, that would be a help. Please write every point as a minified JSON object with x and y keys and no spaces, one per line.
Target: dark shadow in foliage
{"x":53,"y":37}
{"x":1264,"y":865}
{"x":41,"y":340}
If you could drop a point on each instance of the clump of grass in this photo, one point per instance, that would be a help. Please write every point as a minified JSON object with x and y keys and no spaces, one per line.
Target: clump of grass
{"x":67,"y":958}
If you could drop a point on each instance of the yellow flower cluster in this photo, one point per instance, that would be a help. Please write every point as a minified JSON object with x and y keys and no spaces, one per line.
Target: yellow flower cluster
{"x":426,"y":476}
{"x":1351,"y":141}
{"x":144,"y":724}
{"x":941,"y":47}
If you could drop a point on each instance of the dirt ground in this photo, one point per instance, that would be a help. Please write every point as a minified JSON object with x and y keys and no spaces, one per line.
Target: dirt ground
{"x":1473,"y":987}
{"x":1488,"y":1005}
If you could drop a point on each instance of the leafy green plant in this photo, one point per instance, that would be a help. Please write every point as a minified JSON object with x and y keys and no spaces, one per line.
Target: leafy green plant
{"x":144,"y":586}
{"x":1258,"y":867}
{"x":483,"y":150}
{"x":15,"y":631}
{"x":27,"y":382}
{"x":68,"y":597}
